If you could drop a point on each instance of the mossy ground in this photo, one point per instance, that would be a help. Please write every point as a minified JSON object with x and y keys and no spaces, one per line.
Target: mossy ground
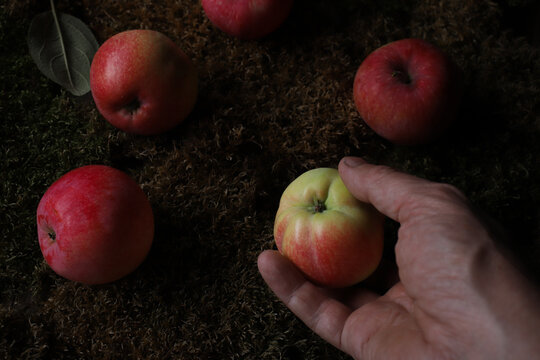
{"x":267,"y":111}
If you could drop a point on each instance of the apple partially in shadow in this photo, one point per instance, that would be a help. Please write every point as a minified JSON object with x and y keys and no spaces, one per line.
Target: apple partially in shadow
{"x":95,"y":225}
{"x":408,"y":91}
{"x":142,"y":82}
{"x":247,"y":19}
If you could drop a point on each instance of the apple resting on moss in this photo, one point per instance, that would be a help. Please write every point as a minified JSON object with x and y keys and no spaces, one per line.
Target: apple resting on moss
{"x":408,"y":91}
{"x":247,"y":19}
{"x":95,"y":225}
{"x":142,"y":82}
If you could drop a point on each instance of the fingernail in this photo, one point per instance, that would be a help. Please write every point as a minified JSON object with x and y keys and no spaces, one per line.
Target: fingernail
{"x":353,"y":161}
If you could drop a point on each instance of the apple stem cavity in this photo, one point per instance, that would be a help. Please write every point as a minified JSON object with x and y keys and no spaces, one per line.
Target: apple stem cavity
{"x":52,"y":235}
{"x":402,"y":76}
{"x":133,"y":106}
{"x":319,"y":206}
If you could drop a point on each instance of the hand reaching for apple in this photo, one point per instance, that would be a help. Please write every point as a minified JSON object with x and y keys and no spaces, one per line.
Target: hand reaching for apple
{"x":458,"y":297}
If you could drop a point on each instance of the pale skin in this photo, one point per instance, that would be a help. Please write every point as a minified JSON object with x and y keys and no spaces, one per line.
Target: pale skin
{"x":456,"y":296}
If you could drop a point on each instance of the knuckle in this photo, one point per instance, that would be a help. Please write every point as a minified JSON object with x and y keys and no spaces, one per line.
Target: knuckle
{"x":447,"y":193}
{"x":381,"y":172}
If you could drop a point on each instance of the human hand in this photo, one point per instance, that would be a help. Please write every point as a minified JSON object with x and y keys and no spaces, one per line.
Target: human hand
{"x":457,"y":296}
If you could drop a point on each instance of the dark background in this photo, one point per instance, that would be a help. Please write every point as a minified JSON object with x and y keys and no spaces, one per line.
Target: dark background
{"x":267,"y":111}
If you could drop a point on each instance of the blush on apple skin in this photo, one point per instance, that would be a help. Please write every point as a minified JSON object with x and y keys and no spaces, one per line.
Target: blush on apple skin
{"x":408,"y":91}
{"x":336,"y":254}
{"x":247,"y":19}
{"x":95,"y":225}
{"x":142,"y":82}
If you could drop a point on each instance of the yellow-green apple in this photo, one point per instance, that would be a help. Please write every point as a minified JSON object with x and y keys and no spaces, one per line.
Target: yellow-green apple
{"x":332,"y":237}
{"x":247,"y":19}
{"x":408,"y":91}
{"x":95,"y":225}
{"x":142,"y":82}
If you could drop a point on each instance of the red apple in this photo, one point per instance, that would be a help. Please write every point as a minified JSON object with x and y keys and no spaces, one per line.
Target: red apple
{"x":95,"y":225}
{"x":247,"y":19}
{"x":408,"y":91}
{"x":332,"y":237}
{"x":142,"y":82}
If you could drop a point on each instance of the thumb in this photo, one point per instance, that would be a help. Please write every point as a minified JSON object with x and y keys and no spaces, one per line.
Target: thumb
{"x":388,"y":190}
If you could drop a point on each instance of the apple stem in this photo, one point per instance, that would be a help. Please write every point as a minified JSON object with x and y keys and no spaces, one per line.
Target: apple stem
{"x":319,"y":206}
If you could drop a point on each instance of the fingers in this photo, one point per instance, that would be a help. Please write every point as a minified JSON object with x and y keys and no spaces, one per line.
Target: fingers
{"x":386,"y":189}
{"x":393,"y":193}
{"x":315,"y":306}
